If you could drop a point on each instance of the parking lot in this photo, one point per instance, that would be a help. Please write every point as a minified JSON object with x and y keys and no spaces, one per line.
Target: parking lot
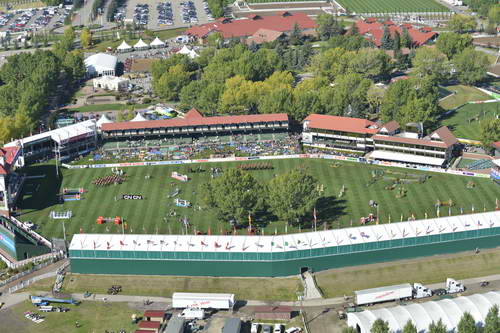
{"x":38,"y":19}
{"x":167,"y":13}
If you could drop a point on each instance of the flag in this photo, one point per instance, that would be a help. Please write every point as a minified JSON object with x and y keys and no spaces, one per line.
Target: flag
{"x":437,"y":212}
{"x":449,"y":211}
{"x":401,"y":217}
{"x":209,"y":231}
{"x":275,"y":230}
{"x":263,"y":231}
{"x":249,"y":220}
{"x":157,"y":230}
{"x":425,"y":215}
{"x":461,"y":210}
{"x":389,"y":218}
{"x":234,"y":230}
{"x":413,"y":217}
{"x":496,"y":203}
{"x":473,"y":208}
{"x":351,"y":222}
{"x":314,"y":215}
{"x":217,"y":245}
{"x":81,"y":230}
{"x":203,"y":243}
{"x":125,"y":225}
{"x":286,"y":228}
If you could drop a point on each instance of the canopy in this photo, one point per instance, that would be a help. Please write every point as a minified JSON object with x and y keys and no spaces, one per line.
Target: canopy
{"x":103,"y":120}
{"x":139,"y":117}
{"x":157,"y":43}
{"x":140,"y":44}
{"x":190,"y":53}
{"x":406,"y":158}
{"x":124,"y":47}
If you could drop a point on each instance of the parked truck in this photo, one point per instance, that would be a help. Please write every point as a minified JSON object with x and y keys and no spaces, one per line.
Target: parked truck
{"x":453,"y":286}
{"x":390,"y":293}
{"x":202,"y":301}
{"x":190,"y":314}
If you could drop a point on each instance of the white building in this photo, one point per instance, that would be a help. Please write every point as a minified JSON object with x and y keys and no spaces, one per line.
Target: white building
{"x":101,"y":64}
{"x":111,"y":83}
{"x":449,"y":311}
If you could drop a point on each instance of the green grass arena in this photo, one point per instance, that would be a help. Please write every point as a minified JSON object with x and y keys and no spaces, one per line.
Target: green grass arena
{"x":392,"y":6}
{"x":151,"y":215}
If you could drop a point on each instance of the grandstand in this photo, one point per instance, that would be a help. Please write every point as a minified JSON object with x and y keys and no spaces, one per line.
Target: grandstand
{"x":480,"y":165}
{"x":280,"y":255}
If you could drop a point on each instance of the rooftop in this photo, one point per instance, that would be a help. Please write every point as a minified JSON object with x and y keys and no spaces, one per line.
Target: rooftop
{"x":197,"y":121}
{"x":344,"y":124}
{"x":9,"y":155}
{"x":374,"y":31}
{"x":102,"y":60}
{"x":149,"y":324}
{"x":248,"y":26}
{"x":154,"y":313}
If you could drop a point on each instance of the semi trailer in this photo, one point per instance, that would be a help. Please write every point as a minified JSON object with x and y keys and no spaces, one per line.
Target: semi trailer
{"x":404,"y":291}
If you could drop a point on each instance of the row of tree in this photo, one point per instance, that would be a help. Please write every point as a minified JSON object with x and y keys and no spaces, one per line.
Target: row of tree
{"x":28,"y":80}
{"x":239,"y":196}
{"x":467,"y":324}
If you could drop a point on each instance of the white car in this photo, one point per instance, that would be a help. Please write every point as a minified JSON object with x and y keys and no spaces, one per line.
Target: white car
{"x":278,"y":328}
{"x":293,"y":330}
{"x":255,"y":328}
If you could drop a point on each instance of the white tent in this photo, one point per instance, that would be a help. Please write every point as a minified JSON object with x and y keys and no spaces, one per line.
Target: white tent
{"x":103,"y":120}
{"x":157,"y":43}
{"x":124,"y":47}
{"x":139,"y":117}
{"x":141,"y":45}
{"x":190,"y":53}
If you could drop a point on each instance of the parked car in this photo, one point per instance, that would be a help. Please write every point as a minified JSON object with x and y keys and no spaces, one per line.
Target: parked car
{"x":278,"y":328}
{"x":266,"y":328}
{"x":254,"y":328}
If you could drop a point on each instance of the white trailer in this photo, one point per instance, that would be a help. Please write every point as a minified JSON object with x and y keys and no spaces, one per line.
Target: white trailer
{"x":202,"y":301}
{"x":383,"y":294}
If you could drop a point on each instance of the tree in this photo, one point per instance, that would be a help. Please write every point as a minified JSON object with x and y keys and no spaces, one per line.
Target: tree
{"x":170,"y":83}
{"x":375,"y":97}
{"x":396,"y":43}
{"x":386,"y":40}
{"x":471,"y":66}
{"x":86,"y":38}
{"x":438,"y":327}
{"x":492,"y":321}
{"x":215,"y":39}
{"x":332,"y":62}
{"x":296,"y":35}
{"x":328,"y":26}
{"x":467,"y":324}
{"x":371,"y":63}
{"x":380,"y":326}
{"x":240,"y":96}
{"x":452,"y":43}
{"x":409,"y":327}
{"x":349,"y":329}
{"x":74,"y":66}
{"x":406,"y":39}
{"x":494,"y":14}
{"x":489,"y":132}
{"x":234,"y":195}
{"x":462,"y":23}
{"x":430,"y":62}
{"x":349,"y":96}
{"x":292,"y":195}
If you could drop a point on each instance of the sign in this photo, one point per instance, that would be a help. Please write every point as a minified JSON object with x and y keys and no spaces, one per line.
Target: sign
{"x":132,"y":197}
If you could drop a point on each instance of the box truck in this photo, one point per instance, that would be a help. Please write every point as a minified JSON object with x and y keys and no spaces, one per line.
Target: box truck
{"x":390,"y":293}
{"x":203,"y":301}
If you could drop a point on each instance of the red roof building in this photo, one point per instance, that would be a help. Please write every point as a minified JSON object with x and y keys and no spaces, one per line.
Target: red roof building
{"x":195,"y":123}
{"x":151,"y":326}
{"x":8,"y":157}
{"x":341,"y":124}
{"x":264,"y":36}
{"x":248,"y":26}
{"x":374,"y":31}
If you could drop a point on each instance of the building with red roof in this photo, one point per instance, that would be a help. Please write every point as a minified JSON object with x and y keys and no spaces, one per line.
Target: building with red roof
{"x":386,"y":142}
{"x":10,"y":182}
{"x":341,"y":133}
{"x":154,"y":315}
{"x":243,"y":28}
{"x":195,"y":123}
{"x":374,"y":30}
{"x":151,"y":326}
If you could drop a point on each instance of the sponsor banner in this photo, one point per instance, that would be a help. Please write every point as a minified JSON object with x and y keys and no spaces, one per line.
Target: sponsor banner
{"x":132,"y":197}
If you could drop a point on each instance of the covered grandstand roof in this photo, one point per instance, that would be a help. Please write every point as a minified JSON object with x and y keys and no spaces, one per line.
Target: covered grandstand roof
{"x":9,"y":156}
{"x":344,"y":124}
{"x":60,"y":135}
{"x":422,"y":314}
{"x":197,"y":121}
{"x":288,"y":242}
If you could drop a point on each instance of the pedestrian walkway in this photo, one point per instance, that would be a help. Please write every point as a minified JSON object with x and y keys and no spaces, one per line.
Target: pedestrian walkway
{"x":311,"y":291}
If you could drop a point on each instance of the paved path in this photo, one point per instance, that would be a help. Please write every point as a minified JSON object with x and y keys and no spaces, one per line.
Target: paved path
{"x":310,"y":289}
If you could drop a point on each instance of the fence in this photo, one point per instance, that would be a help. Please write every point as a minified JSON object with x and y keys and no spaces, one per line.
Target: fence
{"x":34,"y":234}
{"x":52,"y":259}
{"x":254,"y":158}
{"x":26,"y":283}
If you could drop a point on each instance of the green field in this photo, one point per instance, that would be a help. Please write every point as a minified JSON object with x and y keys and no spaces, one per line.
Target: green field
{"x":391,"y":6}
{"x":463,"y":94}
{"x":458,"y":121}
{"x":152,"y":214}
{"x":92,"y":317}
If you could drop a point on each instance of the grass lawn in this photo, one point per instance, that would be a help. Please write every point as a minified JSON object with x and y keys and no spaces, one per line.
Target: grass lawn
{"x":108,"y":107}
{"x":148,"y":216}
{"x":463,"y":95}
{"x":92,"y":316}
{"x":458,"y":120}
{"x":335,"y":283}
{"x":390,"y":6}
{"x":164,"y":286}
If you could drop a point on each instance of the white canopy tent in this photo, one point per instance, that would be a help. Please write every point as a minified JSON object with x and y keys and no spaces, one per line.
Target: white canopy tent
{"x":140,"y":45}
{"x":406,"y":158}
{"x":187,"y":51}
{"x":157,"y":43}
{"x":103,"y":120}
{"x":124,"y":47}
{"x":139,"y":117}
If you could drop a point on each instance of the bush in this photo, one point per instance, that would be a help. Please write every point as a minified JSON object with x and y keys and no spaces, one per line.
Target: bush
{"x":146,"y":100}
